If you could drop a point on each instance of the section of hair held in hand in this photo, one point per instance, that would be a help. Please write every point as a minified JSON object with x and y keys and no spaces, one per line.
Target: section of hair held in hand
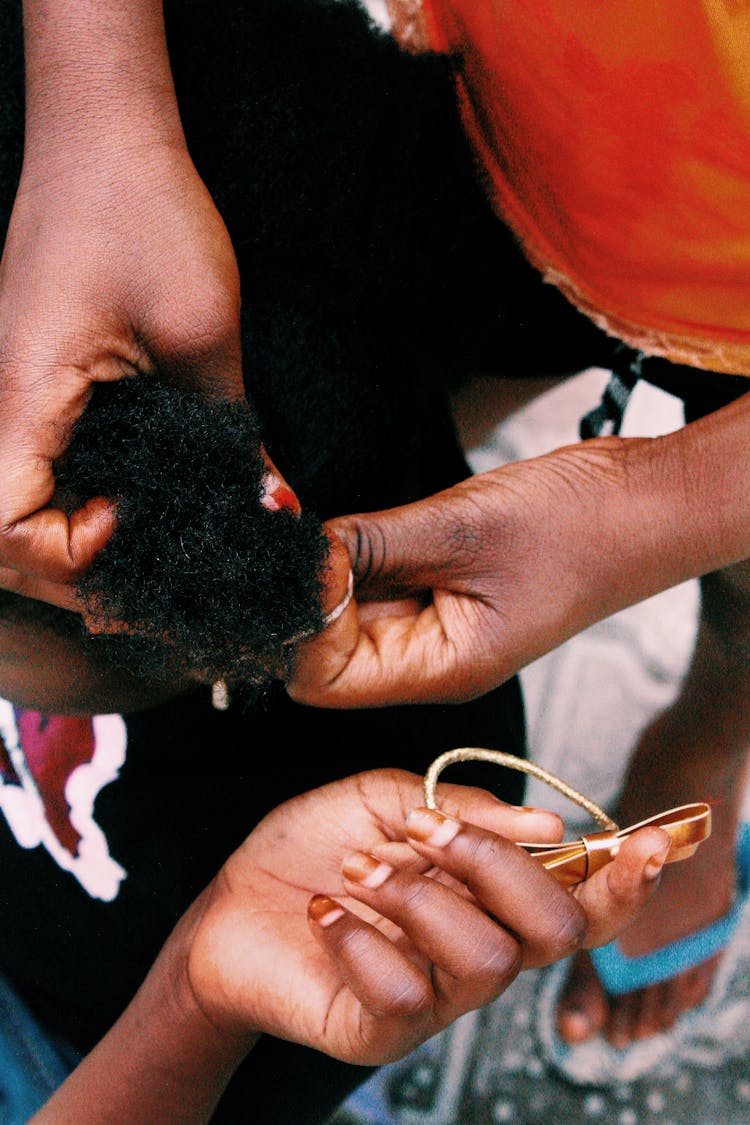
{"x":206,"y":580}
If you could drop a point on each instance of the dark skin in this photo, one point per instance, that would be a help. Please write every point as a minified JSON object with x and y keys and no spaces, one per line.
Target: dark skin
{"x":152,"y":283}
{"x":390,"y":929}
{"x":110,"y":200}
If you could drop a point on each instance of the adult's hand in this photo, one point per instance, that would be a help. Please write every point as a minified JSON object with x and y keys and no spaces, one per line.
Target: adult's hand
{"x":116,"y":262}
{"x":457,"y":592}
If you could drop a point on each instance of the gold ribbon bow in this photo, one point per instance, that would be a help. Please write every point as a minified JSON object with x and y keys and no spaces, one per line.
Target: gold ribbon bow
{"x":574,"y":861}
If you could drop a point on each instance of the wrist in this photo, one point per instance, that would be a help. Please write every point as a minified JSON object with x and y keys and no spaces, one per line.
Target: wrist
{"x":97,"y":71}
{"x":645,"y":514}
{"x":587,"y":519}
{"x":169,"y":989}
{"x":163,"y":1060}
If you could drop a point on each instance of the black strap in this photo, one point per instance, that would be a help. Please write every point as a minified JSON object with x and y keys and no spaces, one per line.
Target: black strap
{"x":607,"y":416}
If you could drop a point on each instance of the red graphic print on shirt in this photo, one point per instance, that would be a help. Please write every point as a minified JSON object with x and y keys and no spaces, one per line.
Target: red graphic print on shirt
{"x":52,"y":768}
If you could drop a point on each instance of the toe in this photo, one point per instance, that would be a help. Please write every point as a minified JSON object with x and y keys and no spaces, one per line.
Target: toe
{"x":647,"y":1012}
{"x":651,"y":1011}
{"x":695,"y":984}
{"x":670,"y":1004}
{"x":583,"y":1008}
{"x":623,"y":1018}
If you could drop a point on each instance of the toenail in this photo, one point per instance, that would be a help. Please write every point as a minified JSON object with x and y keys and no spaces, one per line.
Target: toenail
{"x":576,"y":1025}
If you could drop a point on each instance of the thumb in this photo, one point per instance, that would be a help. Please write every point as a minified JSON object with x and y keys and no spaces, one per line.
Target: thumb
{"x":42,"y":555}
{"x":211,"y":367}
{"x":393,"y":644}
{"x":43,"y":550}
{"x":400,"y":551}
{"x":614,"y":896}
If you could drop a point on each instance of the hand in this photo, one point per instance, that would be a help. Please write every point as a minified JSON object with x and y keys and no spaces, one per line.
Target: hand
{"x":425,"y":923}
{"x":456,"y":593}
{"x":116,"y":262}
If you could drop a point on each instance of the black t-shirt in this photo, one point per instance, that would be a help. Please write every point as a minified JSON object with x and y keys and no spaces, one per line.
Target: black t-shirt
{"x":111,"y":826}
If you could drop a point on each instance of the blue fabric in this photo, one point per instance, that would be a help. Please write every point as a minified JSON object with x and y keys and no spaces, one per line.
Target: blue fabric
{"x":401,"y":1090}
{"x":32,"y":1063}
{"x":620,"y":974}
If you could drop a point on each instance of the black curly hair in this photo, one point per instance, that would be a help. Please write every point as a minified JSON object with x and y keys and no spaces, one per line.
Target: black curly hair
{"x":210,"y":583}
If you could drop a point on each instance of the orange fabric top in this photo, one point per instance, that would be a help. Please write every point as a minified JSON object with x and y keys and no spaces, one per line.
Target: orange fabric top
{"x":616,"y":141}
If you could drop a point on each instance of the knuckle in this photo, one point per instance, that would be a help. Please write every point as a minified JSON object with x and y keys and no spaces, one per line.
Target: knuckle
{"x":568,"y":928}
{"x":195,"y":326}
{"x":402,"y":993}
{"x":465,"y":536}
{"x":370,"y":551}
{"x":215,"y":328}
{"x":484,"y":851}
{"x":407,"y":999}
{"x":499,"y":958}
{"x":214,"y":316}
{"x":415,"y":896}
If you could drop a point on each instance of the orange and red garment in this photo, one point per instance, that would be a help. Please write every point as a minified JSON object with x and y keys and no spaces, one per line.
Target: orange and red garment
{"x":615,"y":138}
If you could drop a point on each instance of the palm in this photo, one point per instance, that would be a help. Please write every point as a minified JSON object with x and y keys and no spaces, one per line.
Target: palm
{"x":257,"y":917}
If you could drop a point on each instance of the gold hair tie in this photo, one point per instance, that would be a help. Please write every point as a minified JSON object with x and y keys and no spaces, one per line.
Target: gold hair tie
{"x":574,"y":861}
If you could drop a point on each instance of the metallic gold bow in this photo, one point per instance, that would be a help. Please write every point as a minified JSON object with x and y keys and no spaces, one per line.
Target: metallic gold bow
{"x":573,"y":861}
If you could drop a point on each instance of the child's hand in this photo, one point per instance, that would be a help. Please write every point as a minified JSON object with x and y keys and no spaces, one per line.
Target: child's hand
{"x":356,"y":922}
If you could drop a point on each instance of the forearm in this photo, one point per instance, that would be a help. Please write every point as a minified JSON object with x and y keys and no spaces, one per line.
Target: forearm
{"x":162,"y":1063}
{"x":97,"y":71}
{"x":666,"y":510}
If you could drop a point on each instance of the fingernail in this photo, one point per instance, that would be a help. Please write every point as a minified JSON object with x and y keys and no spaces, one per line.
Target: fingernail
{"x":366,"y":870}
{"x":277,"y":495}
{"x":429,"y":826}
{"x":324,"y":911}
{"x":653,"y":867}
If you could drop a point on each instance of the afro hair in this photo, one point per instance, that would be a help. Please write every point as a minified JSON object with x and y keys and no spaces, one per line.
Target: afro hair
{"x":210,"y":583}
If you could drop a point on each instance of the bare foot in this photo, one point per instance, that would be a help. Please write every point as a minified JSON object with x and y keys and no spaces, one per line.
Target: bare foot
{"x":692,"y":894}
{"x":586,"y":1009}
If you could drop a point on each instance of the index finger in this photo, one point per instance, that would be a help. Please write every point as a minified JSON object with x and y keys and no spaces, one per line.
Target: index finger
{"x":50,"y":549}
{"x":40,"y":590}
{"x":615,"y":895}
{"x":509,"y":884}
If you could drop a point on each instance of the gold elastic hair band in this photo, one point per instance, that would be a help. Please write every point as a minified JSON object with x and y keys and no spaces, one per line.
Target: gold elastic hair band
{"x":574,"y":861}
